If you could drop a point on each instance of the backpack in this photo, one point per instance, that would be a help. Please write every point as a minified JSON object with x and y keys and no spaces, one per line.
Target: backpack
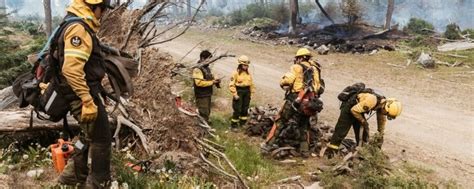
{"x":349,"y":94}
{"x":309,"y":103}
{"x":54,"y":103}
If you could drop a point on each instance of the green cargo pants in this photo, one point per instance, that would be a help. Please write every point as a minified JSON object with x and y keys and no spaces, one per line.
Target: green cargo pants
{"x":204,"y":106}
{"x":288,"y":112}
{"x":95,"y":143}
{"x":241,"y":107}
{"x":344,"y":123}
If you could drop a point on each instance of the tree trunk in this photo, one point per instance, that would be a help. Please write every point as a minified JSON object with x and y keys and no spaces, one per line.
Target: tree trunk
{"x":47,"y":17}
{"x":3,"y":12}
{"x":188,"y":6}
{"x":293,"y":16}
{"x":388,"y":17}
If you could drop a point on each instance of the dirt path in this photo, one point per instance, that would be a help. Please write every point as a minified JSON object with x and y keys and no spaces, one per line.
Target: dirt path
{"x":435,"y":128}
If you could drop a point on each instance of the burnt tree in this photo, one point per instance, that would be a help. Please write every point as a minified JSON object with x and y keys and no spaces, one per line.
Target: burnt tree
{"x":388,"y":17}
{"x":47,"y":17}
{"x":293,"y":16}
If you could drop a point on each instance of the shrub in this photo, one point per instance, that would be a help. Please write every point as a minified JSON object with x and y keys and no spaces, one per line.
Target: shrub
{"x":241,"y":16}
{"x":419,"y":26}
{"x":278,"y":12}
{"x":351,"y":10}
{"x":452,"y":31}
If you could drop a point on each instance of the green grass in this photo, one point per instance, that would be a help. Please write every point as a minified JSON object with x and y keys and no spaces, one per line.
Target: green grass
{"x":245,"y":155}
{"x":162,"y":180}
{"x":375,"y":171}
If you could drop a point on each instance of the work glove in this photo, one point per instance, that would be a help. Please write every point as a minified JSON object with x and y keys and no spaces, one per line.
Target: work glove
{"x":89,"y":111}
{"x":217,"y":82}
{"x":236,"y":97}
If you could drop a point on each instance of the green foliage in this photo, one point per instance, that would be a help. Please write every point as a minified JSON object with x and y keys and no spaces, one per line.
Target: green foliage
{"x":262,"y":23}
{"x":372,"y":172}
{"x":418,"y":26}
{"x":13,"y":60}
{"x":452,"y":31}
{"x":241,"y":16}
{"x":32,"y":156}
{"x":245,"y":156}
{"x":352,"y":10}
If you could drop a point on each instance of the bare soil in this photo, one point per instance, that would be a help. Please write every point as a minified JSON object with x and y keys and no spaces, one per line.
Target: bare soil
{"x":436,"y":125}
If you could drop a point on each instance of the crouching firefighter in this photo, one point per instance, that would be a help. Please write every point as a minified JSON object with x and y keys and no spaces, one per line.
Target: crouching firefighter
{"x":303,"y":86}
{"x":242,"y":89}
{"x":357,"y":102}
{"x":203,"y":85}
{"x":79,"y":52}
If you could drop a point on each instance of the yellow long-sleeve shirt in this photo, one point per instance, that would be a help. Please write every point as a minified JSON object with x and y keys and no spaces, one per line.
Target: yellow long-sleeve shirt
{"x":199,"y":80}
{"x":295,"y":77}
{"x":368,"y":102}
{"x":77,"y":48}
{"x":242,"y":79}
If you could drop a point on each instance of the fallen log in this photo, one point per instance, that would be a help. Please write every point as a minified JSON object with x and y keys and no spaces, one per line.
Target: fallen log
{"x":19,"y":121}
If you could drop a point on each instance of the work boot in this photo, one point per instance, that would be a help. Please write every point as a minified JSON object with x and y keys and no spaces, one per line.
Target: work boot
{"x":243,"y":122}
{"x":69,"y":177}
{"x":267,"y":148}
{"x":234,"y":126}
{"x":331,"y":152}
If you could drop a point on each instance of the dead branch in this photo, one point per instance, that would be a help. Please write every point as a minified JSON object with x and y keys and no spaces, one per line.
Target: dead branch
{"x":324,"y":11}
{"x":451,"y":55}
{"x":380,"y":34}
{"x":212,"y":60}
{"x":209,"y":147}
{"x":136,"y":23}
{"x":395,"y":65}
{"x":122,"y":120}
{"x":289,"y":179}
{"x":150,"y":43}
{"x":217,"y":168}
{"x":190,"y":50}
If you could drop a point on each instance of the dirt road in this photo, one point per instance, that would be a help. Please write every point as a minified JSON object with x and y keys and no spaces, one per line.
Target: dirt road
{"x":436,"y":128}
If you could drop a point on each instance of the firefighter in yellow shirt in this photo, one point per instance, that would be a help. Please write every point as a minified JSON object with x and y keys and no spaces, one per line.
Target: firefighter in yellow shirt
{"x":353,"y":114}
{"x":203,"y":81}
{"x":303,"y":79}
{"x":79,"y":52}
{"x":242,"y":88}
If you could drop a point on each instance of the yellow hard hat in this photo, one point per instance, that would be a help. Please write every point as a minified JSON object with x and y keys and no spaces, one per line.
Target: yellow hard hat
{"x":393,"y":107}
{"x":303,"y":52}
{"x":244,"y":60}
{"x":96,"y":2}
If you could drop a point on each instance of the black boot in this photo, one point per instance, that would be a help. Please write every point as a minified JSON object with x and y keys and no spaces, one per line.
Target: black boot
{"x":234,"y":126}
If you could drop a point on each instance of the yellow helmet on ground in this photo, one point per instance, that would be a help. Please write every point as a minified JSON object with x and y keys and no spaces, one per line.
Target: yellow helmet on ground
{"x":244,"y":60}
{"x":393,"y":107}
{"x":96,"y":2}
{"x":303,"y":52}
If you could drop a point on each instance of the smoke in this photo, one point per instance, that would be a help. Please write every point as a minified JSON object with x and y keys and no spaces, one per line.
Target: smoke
{"x":438,"y":12}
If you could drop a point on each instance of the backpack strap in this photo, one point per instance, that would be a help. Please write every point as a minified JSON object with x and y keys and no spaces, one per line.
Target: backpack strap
{"x":55,"y":33}
{"x":308,"y":82}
